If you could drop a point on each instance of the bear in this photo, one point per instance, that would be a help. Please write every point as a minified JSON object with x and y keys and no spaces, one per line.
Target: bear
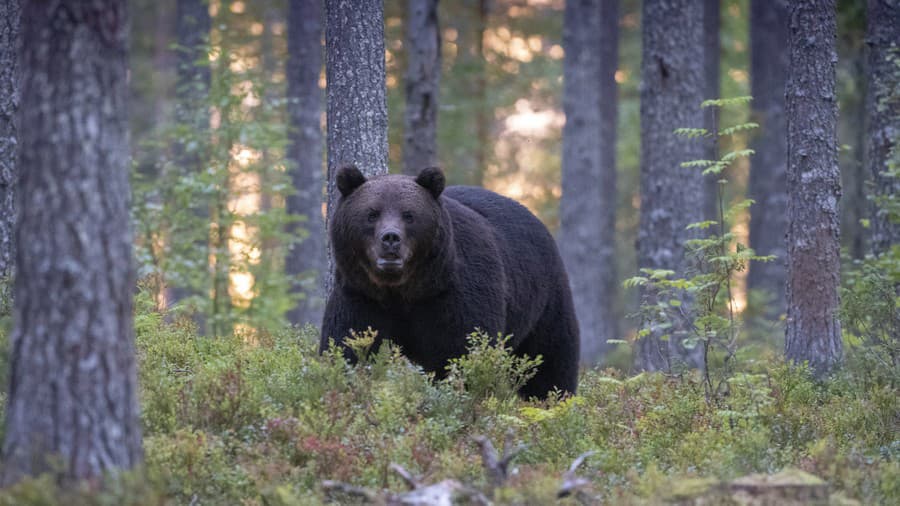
{"x":425,"y":266}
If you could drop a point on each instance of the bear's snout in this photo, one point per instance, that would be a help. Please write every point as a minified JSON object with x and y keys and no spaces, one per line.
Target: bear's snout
{"x":390,"y":239}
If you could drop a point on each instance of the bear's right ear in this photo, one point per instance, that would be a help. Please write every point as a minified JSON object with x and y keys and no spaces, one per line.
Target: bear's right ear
{"x":349,"y":178}
{"x":432,"y":179}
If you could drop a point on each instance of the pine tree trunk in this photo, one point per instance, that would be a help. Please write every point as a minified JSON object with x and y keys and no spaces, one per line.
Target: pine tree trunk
{"x":672,"y":86}
{"x":484,"y":113}
{"x":712,"y":54}
{"x":883,"y":109}
{"x":356,"y":92}
{"x":423,"y":78}
{"x":9,"y":103}
{"x":587,"y":207}
{"x":769,"y":59}
{"x":307,"y":258}
{"x":813,"y":333}
{"x":73,"y":387}
{"x":191,"y":90}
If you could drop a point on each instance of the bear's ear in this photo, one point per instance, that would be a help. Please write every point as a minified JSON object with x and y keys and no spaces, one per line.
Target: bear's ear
{"x":349,"y":178}
{"x":432,"y":179}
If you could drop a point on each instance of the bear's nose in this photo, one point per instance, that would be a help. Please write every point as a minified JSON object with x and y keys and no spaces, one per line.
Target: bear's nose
{"x":390,"y":239}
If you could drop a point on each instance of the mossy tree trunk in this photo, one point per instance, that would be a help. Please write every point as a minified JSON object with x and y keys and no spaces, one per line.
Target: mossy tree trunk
{"x":769,"y":60}
{"x":883,"y":111}
{"x":356,"y":92}
{"x":423,"y":80}
{"x":672,"y":88}
{"x":73,"y":387}
{"x":587,"y":207}
{"x":307,"y":258}
{"x":813,"y":333}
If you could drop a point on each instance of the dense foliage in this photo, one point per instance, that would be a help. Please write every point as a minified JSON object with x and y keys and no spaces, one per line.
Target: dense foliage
{"x":229,"y":421}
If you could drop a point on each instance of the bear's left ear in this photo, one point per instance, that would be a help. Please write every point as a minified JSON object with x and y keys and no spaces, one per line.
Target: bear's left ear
{"x":348,"y":179}
{"x":432,"y":179}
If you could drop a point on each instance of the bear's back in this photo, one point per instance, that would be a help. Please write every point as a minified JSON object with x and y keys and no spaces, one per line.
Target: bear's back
{"x":529,"y":253}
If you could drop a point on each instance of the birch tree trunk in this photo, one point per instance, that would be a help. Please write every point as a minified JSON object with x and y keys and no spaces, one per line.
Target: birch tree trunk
{"x":883,"y":110}
{"x":73,"y":387}
{"x":769,"y":59}
{"x":587,"y":207}
{"x":813,"y":333}
{"x":423,"y":82}
{"x":356,"y":92}
{"x":672,"y":85}
{"x":307,"y":258}
{"x":9,"y":104}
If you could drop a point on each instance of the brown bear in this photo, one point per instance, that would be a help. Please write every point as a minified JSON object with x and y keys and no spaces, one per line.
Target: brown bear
{"x":425,"y":267}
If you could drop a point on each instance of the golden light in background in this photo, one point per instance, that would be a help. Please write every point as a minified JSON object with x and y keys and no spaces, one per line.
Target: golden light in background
{"x":556,"y":52}
{"x":238,"y":7}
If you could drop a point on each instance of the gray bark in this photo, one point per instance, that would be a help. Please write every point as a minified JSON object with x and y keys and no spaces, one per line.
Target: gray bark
{"x":883,"y":110}
{"x":769,"y":60}
{"x":711,"y":54}
{"x":672,"y":85}
{"x":587,"y":207}
{"x":306,"y":260}
{"x":73,"y":388}
{"x":191,"y":90}
{"x":813,"y":333}
{"x":356,"y":92}
{"x":484,"y":112}
{"x":423,"y":78}
{"x":9,"y":104}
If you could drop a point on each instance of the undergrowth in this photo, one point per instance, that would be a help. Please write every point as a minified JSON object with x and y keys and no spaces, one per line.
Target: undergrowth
{"x":265,"y":421}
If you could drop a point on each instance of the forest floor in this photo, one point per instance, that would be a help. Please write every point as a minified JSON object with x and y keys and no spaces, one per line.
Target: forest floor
{"x":267,"y":421}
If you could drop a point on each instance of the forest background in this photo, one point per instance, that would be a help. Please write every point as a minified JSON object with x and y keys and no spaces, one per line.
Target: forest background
{"x":236,"y":406}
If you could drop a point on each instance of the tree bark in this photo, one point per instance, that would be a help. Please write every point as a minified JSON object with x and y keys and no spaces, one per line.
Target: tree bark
{"x":672,"y":86}
{"x":484,"y":112}
{"x":423,"y":79}
{"x":769,"y":59}
{"x":356,"y":92}
{"x":73,"y":388}
{"x":712,"y":55}
{"x":587,"y":207}
{"x":9,"y":104}
{"x":813,"y":333}
{"x":883,"y":110}
{"x":306,"y":259}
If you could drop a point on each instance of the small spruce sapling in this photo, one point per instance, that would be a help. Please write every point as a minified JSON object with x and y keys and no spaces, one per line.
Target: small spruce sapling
{"x":714,"y":259}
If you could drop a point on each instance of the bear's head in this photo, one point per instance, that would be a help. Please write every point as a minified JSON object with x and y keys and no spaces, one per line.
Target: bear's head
{"x":387,"y":229}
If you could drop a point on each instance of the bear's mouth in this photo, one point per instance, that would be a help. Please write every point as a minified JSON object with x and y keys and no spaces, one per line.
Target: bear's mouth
{"x":389,"y":264}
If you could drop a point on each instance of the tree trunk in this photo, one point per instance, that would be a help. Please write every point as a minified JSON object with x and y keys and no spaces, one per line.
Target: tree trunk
{"x":356,"y":92}
{"x":769,"y":60}
{"x":484,"y":112}
{"x":813,"y":333}
{"x":423,"y":78}
{"x":73,"y":387}
{"x":307,"y":258}
{"x":191,"y":90}
{"x":711,"y":54}
{"x":672,"y":86}
{"x":9,"y":104}
{"x":587,"y":207}
{"x":883,"y":109}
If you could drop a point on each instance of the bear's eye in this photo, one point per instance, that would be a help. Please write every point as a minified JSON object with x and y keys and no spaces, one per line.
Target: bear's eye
{"x":373,"y":215}
{"x":407,"y":216}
